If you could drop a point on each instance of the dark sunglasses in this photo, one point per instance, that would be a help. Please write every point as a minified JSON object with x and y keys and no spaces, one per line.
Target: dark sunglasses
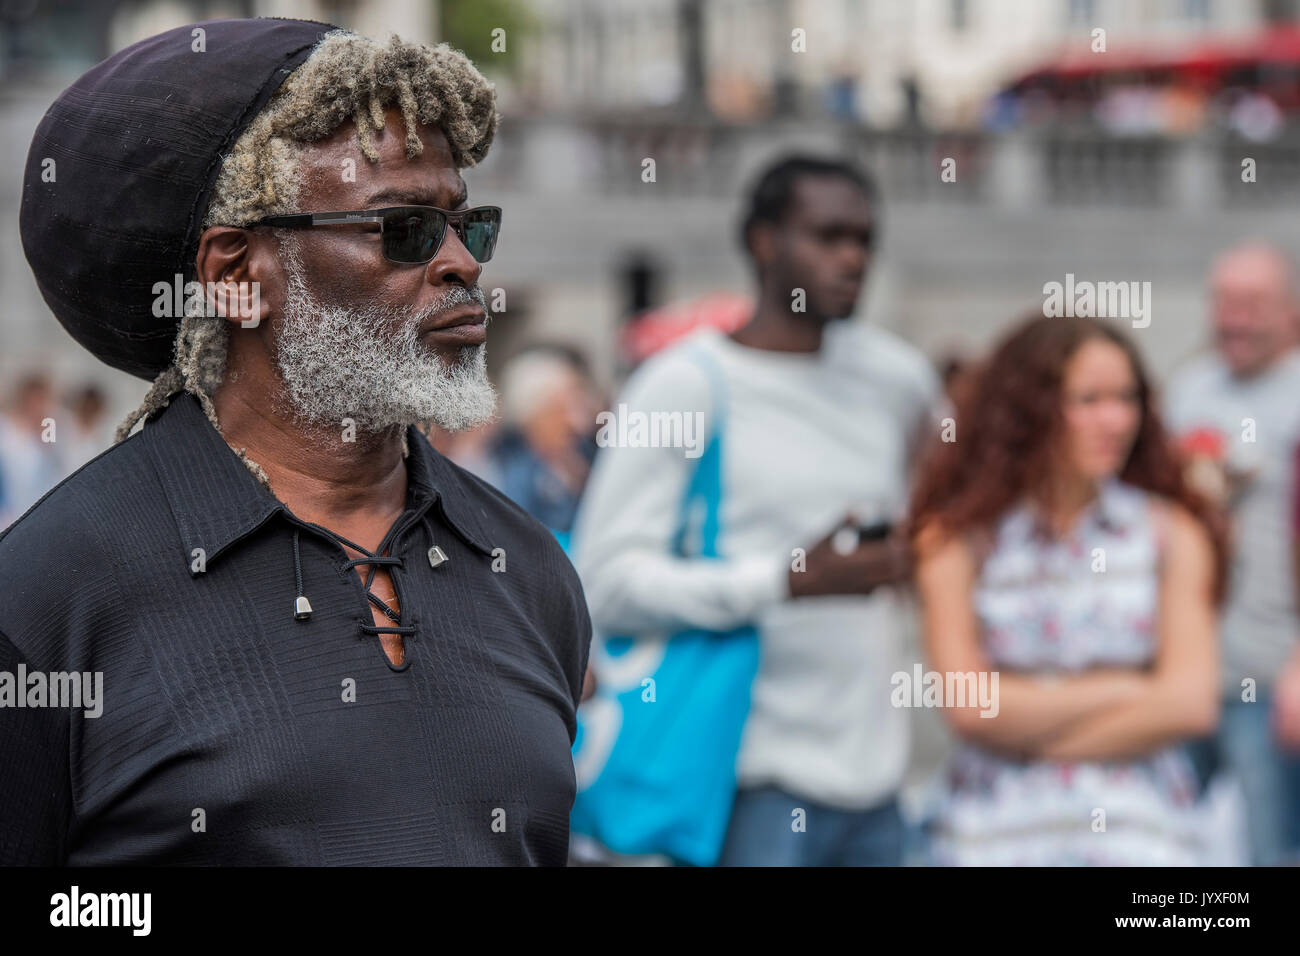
{"x":411,"y":234}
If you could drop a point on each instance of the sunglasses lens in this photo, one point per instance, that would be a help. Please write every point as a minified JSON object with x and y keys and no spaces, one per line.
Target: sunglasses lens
{"x":413,"y":235}
{"x":481,"y":229}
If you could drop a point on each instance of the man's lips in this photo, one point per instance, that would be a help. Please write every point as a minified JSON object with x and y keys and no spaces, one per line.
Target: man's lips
{"x":466,"y":326}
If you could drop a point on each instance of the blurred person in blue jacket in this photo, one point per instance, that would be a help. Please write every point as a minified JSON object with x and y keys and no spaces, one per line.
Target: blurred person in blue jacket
{"x":543,"y":452}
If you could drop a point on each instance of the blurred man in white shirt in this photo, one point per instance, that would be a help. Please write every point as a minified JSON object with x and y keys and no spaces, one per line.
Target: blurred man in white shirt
{"x":822,"y":416}
{"x":1246,"y":396}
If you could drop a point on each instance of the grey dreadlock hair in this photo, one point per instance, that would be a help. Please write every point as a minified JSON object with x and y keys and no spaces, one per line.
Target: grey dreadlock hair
{"x":347,"y":77}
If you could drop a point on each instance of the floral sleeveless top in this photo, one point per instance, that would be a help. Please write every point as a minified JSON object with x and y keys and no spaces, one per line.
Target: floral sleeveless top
{"x":1060,"y":606}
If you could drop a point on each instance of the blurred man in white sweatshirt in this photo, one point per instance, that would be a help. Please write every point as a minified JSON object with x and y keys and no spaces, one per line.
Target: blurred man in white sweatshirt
{"x":822,"y":418}
{"x":1246,"y":393}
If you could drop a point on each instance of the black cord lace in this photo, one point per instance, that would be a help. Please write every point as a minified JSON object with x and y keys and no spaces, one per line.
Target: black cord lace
{"x":373,"y":559}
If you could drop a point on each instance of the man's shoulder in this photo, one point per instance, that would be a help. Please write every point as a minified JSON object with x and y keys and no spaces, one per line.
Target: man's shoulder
{"x":539,"y":572}
{"x":492,"y":506}
{"x":56,"y":559}
{"x":503,"y":523}
{"x":1198,"y":373}
{"x":877,"y":345}
{"x":108,"y":484}
{"x":885,"y":356}
{"x":682,"y":368}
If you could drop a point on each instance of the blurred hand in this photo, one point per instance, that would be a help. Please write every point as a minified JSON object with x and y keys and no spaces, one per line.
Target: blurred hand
{"x":1286,"y":705}
{"x":858,"y":569}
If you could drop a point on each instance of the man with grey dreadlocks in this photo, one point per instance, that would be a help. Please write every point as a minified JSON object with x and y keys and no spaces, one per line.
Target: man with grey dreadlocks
{"x":311,"y":628}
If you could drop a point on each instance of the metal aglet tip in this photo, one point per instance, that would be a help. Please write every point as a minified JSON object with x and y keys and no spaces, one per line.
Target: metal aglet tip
{"x":301,"y":608}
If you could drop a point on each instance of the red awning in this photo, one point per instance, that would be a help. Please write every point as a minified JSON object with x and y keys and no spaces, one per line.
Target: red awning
{"x":1205,"y":58}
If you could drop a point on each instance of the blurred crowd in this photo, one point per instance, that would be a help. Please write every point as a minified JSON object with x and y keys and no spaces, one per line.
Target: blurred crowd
{"x":1122,"y":554}
{"x":44,"y":437}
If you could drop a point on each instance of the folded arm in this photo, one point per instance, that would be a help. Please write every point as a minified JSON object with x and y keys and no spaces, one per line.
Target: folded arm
{"x":1180,"y":697}
{"x":1032,"y":712}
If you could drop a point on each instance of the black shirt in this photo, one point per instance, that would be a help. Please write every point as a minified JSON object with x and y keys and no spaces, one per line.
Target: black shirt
{"x":232,"y":733}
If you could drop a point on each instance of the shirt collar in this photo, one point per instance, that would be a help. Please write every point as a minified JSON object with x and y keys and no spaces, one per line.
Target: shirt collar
{"x":1113,"y":510}
{"x":216,"y":500}
{"x":450,"y":489}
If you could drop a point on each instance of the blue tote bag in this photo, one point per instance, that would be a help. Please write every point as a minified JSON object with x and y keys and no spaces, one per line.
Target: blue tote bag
{"x":655,"y":752}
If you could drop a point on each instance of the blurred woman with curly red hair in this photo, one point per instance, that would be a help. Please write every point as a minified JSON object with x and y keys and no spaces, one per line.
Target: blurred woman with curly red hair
{"x":1061,"y":555}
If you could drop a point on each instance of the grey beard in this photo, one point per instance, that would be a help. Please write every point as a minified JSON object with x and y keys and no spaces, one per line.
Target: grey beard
{"x":368,"y":364}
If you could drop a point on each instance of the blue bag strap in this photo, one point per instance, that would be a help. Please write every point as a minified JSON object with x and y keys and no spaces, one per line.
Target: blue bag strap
{"x":705,"y":485}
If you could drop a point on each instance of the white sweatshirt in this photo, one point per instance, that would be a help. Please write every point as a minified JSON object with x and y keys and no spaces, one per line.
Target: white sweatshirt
{"x":808,"y":438}
{"x":1259,"y":420}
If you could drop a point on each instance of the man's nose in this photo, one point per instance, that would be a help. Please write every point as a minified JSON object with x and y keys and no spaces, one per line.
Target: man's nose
{"x":453,"y":263}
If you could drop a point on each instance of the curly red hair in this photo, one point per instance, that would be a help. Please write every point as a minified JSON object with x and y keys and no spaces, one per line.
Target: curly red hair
{"x":1009,"y":413}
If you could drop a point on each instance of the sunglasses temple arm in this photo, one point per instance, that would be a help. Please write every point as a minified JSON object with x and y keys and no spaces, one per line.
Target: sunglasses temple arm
{"x":297,"y":221}
{"x":338,"y":218}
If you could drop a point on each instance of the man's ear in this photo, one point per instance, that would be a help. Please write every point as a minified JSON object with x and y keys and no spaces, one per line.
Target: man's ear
{"x":231,"y":276}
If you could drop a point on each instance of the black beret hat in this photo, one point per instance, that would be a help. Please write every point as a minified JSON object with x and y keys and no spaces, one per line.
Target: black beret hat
{"x":137,"y":144}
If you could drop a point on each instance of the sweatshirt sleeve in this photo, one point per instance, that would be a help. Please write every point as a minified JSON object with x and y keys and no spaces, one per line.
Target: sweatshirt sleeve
{"x":622,"y":541}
